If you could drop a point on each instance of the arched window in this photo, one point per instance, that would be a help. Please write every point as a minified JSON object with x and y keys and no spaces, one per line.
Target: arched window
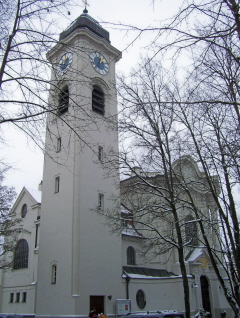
{"x":63,"y":100}
{"x":130,"y":256}
{"x":191,"y":231}
{"x":21,"y":255}
{"x":98,"y":101}
{"x":140,"y":298}
{"x":24,"y":211}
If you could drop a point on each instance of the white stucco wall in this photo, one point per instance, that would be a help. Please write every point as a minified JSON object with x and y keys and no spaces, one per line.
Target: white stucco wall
{"x":73,"y":236}
{"x":22,"y":280}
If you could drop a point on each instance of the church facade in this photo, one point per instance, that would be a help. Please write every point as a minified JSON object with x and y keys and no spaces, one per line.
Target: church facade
{"x":68,"y":262}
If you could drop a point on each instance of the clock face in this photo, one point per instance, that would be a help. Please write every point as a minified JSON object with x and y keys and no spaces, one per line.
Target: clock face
{"x":64,"y":63}
{"x":99,"y":63}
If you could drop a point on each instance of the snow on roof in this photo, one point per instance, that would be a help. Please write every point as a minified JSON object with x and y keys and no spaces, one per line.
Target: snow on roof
{"x":130,"y":231}
{"x":125,"y":210}
{"x":196,"y":253}
{"x":147,"y":273}
{"x":137,"y":276}
{"x":37,"y":195}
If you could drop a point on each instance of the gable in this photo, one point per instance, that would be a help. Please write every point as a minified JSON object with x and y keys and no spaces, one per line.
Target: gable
{"x":31,"y":196}
{"x":198,"y":256}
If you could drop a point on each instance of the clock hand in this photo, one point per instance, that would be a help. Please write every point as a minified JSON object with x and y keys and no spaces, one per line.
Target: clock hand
{"x":101,"y":59}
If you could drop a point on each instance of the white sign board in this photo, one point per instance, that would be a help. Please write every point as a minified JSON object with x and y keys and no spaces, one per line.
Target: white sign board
{"x":123,"y":306}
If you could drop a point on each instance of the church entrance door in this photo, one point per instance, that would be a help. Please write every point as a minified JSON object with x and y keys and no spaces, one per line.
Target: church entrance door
{"x":97,"y":303}
{"x":205,"y":293}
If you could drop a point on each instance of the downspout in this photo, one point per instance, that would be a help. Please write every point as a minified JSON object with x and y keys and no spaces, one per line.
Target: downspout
{"x":127,"y":285}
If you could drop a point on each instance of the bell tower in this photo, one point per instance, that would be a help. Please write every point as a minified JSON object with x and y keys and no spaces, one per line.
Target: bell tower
{"x":79,"y":260}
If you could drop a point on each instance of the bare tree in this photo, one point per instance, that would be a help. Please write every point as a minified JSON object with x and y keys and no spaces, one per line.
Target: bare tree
{"x":197,"y":24}
{"x":210,"y":113}
{"x":152,"y":140}
{"x":213,"y":136}
{"x":208,"y":32}
{"x":28,"y":31}
{"x":165,"y":125}
{"x":197,"y":115}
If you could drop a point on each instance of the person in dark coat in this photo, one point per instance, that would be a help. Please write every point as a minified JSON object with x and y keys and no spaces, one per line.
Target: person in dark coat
{"x":93,"y":314}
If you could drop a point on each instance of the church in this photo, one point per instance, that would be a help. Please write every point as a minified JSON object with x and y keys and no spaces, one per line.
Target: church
{"x":69,"y":262}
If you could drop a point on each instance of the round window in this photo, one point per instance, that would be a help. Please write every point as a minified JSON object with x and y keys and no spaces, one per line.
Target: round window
{"x":24,"y":210}
{"x":140,"y":298}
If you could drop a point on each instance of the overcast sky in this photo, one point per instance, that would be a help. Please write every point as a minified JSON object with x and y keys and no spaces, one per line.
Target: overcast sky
{"x":25,"y":158}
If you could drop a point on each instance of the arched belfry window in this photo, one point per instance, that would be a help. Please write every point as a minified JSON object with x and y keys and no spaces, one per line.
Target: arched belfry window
{"x":63,"y":100}
{"x":191,"y":231}
{"x":131,"y":256}
{"x":98,"y":100}
{"x":21,"y":255}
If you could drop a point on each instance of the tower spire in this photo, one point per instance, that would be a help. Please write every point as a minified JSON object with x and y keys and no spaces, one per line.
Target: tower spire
{"x":85,"y":21}
{"x":86,"y":4}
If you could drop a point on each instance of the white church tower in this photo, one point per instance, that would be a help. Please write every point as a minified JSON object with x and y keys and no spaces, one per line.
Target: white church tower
{"x":79,"y":260}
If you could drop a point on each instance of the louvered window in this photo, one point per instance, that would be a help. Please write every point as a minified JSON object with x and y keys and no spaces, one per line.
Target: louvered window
{"x":63,"y":100}
{"x":98,"y":102}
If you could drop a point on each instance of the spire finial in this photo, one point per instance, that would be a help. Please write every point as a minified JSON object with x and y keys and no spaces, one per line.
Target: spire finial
{"x":86,"y":4}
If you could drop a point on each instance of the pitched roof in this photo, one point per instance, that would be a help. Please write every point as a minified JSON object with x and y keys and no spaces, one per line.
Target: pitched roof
{"x":143,"y":272}
{"x":34,"y":194}
{"x":37,"y":195}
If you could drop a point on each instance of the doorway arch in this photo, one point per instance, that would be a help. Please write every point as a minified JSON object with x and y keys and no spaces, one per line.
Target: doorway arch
{"x":205,"y":293}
